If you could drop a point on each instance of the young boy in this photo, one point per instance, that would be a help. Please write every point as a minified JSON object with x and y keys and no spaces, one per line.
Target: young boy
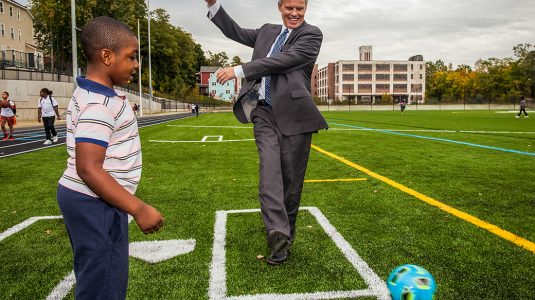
{"x":8,"y":116}
{"x":95,"y":193}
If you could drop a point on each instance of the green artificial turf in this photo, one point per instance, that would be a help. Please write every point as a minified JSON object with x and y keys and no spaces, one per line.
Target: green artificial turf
{"x":190,"y":182}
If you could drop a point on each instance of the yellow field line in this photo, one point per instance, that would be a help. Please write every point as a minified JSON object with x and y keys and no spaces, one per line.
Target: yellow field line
{"x":529,"y":245}
{"x":335,"y":180}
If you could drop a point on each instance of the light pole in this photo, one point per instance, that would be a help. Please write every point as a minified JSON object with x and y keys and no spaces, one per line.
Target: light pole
{"x":139,"y":72}
{"x":150,"y":65}
{"x":74,"y":43}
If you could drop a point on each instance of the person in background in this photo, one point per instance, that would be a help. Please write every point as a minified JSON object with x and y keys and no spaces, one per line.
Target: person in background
{"x":47,"y":109}
{"x":522,"y":108}
{"x":7,"y":115}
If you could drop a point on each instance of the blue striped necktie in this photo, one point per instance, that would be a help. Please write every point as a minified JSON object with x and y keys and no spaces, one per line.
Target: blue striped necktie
{"x":276,"y":49}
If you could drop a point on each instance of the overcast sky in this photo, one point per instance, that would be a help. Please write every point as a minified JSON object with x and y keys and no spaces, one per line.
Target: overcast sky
{"x":456,"y":31}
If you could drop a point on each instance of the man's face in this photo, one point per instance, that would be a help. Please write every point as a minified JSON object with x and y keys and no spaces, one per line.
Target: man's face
{"x":293,"y":13}
{"x":125,"y":62}
{"x":4,"y":96}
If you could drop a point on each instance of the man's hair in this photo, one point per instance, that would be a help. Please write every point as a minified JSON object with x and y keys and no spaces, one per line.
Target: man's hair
{"x":280,"y":2}
{"x":6,"y":93}
{"x":104,"y":33}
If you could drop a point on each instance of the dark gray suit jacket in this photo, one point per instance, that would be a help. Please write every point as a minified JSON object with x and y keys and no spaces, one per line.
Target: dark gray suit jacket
{"x":294,"y":110}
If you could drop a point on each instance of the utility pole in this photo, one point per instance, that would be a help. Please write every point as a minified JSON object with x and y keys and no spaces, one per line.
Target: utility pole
{"x":139,"y":70}
{"x":74,"y":43}
{"x":150,"y":65}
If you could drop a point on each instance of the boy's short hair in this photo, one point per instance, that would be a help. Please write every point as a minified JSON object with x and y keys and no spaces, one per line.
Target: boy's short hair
{"x":104,"y":33}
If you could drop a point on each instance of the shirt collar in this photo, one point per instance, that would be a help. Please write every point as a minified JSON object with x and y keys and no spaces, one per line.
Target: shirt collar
{"x":284,"y":27}
{"x":95,"y":87}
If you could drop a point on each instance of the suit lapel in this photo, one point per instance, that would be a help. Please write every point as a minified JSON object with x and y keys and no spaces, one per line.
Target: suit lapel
{"x":274,"y":31}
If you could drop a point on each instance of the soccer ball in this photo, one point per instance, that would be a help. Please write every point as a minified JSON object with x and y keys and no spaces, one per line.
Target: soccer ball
{"x":410,"y":282}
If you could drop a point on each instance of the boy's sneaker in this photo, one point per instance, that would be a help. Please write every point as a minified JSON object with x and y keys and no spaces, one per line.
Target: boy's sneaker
{"x":517,"y":117}
{"x":11,"y":138}
{"x":527,"y":116}
{"x":5,"y":138}
{"x":47,"y":142}
{"x":55,"y":139}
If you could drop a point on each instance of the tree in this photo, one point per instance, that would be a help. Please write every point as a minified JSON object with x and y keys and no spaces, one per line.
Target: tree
{"x":218,"y":59}
{"x":236,"y":61}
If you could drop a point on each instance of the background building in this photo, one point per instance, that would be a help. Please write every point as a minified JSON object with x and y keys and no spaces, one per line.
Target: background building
{"x":224,"y":92}
{"x":208,"y":86}
{"x":368,"y":80}
{"x":17,"y":44}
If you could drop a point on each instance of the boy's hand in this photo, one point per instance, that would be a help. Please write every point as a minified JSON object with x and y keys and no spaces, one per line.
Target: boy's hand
{"x":148,"y":219}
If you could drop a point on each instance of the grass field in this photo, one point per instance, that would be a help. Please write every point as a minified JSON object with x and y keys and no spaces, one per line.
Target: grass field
{"x":488,"y":174}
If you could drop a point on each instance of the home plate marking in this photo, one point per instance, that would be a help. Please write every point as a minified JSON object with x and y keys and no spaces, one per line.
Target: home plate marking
{"x":158,"y":251}
{"x":217,"y":289}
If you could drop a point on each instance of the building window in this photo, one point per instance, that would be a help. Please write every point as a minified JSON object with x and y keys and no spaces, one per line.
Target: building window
{"x":348,"y":77}
{"x":228,"y":91}
{"x":365,"y":67}
{"x":11,"y":11}
{"x":214,"y":83}
{"x":421,"y":67}
{"x":382,"y":67}
{"x":400,"y":88}
{"x":2,"y":30}
{"x":382,"y":88}
{"x":412,"y":67}
{"x":365,"y":76}
{"x":346,"y":67}
{"x":421,"y":76}
{"x":348,"y":88}
{"x":365,"y":88}
{"x":12,"y":33}
{"x":20,"y":35}
{"x":399,"y":67}
{"x":400,"y":77}
{"x":18,"y":14}
{"x":412,"y":76}
{"x":1,"y":7}
{"x":382,"y":77}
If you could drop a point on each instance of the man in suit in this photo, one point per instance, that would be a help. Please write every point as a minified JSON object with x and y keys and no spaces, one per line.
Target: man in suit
{"x":276,"y":98}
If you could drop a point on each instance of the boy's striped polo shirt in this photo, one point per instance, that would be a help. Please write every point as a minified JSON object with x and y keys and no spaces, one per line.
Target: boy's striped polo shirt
{"x":100,"y":115}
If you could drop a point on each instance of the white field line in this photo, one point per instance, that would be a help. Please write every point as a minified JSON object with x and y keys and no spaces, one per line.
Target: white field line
{"x":11,"y":231}
{"x":372,"y":129}
{"x":223,"y":141}
{"x":63,"y":288}
{"x":217,"y":289}
{"x":309,"y":296}
{"x":206,"y":137}
{"x":511,"y":111}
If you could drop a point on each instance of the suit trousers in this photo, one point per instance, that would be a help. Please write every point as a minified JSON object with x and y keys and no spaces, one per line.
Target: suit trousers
{"x":283,"y":163}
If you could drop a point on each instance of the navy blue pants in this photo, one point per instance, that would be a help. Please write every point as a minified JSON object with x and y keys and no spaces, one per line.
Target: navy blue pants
{"x":99,"y":239}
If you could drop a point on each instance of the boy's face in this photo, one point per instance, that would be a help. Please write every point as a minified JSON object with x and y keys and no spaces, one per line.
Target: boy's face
{"x":124,"y":63}
{"x":4,"y":96}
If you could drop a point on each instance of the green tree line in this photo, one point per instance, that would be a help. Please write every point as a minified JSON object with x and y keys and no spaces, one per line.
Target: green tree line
{"x":175,"y":55}
{"x":492,"y":80}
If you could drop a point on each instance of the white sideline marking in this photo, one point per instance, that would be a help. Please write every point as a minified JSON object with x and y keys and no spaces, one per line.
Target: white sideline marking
{"x":207,"y":126}
{"x":11,"y":231}
{"x":217,"y":289}
{"x":223,"y":141}
{"x":206,"y":137}
{"x":63,"y":288}
{"x":158,"y":251}
{"x":433,"y":130}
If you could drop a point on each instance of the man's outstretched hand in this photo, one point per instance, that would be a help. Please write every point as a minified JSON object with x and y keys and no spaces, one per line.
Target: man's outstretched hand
{"x":225,"y":74}
{"x":210,"y":2}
